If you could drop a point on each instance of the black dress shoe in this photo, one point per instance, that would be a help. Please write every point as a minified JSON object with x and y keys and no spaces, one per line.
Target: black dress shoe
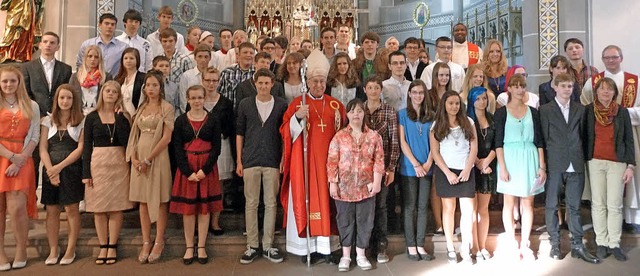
{"x":583,"y":254}
{"x":602,"y":252}
{"x":618,"y":254}
{"x":555,"y":252}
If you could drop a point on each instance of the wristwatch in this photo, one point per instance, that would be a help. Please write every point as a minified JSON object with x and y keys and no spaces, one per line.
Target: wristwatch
{"x":147,"y":162}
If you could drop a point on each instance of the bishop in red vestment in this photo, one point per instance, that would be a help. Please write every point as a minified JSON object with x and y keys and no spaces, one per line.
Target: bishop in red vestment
{"x":325,"y":116}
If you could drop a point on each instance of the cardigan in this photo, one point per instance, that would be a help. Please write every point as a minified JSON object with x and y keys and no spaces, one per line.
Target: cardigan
{"x":622,"y":135}
{"x":500,"y":119}
{"x":183,"y":133}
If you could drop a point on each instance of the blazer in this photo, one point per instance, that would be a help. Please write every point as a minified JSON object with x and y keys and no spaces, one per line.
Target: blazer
{"x":421,"y":66}
{"x":137,"y":88}
{"x":563,"y":141}
{"x":622,"y":135}
{"x":36,"y":82}
{"x":547,"y":94}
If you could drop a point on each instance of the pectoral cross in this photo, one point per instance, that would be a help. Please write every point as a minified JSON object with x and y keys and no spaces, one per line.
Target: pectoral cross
{"x":322,"y":125}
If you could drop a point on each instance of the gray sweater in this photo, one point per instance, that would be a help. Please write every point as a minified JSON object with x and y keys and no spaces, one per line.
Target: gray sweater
{"x":262,"y":145}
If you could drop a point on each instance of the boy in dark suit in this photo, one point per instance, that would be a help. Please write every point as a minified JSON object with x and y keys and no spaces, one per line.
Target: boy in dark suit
{"x":42,"y":76}
{"x":563,"y":122}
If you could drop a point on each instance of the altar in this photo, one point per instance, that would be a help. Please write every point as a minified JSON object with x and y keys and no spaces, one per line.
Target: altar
{"x":303,"y":19}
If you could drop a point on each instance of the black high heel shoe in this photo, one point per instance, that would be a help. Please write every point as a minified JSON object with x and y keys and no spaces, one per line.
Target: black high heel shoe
{"x":103,"y":260}
{"x":205,"y":259}
{"x":188,"y":261}
{"x":111,"y":260}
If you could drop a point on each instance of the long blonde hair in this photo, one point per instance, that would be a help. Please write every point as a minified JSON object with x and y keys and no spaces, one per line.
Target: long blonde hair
{"x":116,"y":86}
{"x":24,"y":102}
{"x":84,"y":70}
{"x":490,"y":69}
{"x":468,"y":84}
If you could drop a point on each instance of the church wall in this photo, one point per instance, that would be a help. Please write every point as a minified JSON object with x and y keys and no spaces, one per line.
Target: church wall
{"x":616,"y":22}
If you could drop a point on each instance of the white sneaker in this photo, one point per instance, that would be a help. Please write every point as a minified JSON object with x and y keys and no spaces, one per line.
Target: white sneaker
{"x":363,"y":263}
{"x":344,"y":264}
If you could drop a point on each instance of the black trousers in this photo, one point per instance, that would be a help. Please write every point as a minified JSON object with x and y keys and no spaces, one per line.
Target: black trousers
{"x":355,"y":221}
{"x":574,"y":185}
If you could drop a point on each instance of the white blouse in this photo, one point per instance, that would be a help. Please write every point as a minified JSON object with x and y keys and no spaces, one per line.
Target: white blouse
{"x":292,"y":91}
{"x":455,"y":148}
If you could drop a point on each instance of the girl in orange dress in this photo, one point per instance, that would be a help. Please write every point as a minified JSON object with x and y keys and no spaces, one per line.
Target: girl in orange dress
{"x":19,"y":121}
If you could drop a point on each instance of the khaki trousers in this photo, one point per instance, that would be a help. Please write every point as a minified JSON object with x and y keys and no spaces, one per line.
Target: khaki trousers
{"x":607,"y":189}
{"x":270,"y":179}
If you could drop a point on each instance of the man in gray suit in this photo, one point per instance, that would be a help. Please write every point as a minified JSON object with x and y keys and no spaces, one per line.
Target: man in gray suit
{"x":42,"y":76}
{"x":562,"y":121}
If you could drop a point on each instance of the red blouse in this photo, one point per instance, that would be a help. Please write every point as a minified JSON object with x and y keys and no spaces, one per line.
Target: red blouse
{"x":352,"y":164}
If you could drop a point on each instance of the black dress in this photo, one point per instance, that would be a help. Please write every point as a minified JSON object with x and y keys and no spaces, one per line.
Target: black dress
{"x":486,"y":183}
{"x":71,"y":189}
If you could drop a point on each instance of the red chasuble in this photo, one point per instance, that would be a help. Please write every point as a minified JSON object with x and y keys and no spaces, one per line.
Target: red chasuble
{"x":629,"y":90}
{"x":474,"y":53}
{"x":328,"y":114}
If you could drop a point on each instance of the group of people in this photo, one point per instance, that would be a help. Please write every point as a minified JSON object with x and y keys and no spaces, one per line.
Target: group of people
{"x":161,"y":123}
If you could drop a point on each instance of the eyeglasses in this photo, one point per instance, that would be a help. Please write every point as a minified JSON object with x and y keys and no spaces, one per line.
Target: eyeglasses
{"x":411,"y":48}
{"x":610,"y":58}
{"x":445,"y":47}
{"x":211,"y":80}
{"x":398,"y":62}
{"x":268,"y":47}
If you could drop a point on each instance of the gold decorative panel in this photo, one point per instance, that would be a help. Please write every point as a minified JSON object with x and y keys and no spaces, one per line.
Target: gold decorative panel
{"x":299,"y":18}
{"x":548,"y":31}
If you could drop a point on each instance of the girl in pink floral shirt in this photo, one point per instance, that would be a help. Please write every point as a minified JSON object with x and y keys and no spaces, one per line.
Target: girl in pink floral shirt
{"x":355,"y":166}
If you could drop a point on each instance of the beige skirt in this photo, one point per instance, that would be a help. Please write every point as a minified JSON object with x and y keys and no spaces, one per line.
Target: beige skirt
{"x":110,"y":174}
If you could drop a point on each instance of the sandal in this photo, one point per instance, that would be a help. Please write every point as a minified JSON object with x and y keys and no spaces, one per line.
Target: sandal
{"x":153,"y":258}
{"x":102,"y":260}
{"x":144,"y":256}
{"x":111,"y":260}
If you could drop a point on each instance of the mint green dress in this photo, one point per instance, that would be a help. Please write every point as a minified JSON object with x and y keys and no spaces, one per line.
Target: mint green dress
{"x":520,"y":156}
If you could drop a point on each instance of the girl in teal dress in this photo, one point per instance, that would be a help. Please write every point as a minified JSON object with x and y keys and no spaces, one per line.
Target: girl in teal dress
{"x":521,"y":168}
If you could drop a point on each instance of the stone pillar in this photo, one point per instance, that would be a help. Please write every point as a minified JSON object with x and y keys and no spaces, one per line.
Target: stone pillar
{"x":238,"y":14}
{"x":364,"y":19}
{"x":540,"y":39}
{"x":73,"y":26}
{"x":457,"y":11}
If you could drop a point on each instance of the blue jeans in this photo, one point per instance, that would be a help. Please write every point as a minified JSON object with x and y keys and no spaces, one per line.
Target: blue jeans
{"x":415,"y":192}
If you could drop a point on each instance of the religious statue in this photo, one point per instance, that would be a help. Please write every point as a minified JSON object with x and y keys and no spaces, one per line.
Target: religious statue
{"x":252,"y":31}
{"x":276,"y":27}
{"x":16,"y":42}
{"x":265,"y":23}
{"x":337,"y":20}
{"x":300,"y":17}
{"x":349,"y":20}
{"x":325,"y":21}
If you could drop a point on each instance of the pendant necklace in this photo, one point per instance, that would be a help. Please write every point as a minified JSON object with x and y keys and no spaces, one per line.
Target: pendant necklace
{"x":419,"y":126}
{"x":111,"y":133}
{"x":322,"y":125}
{"x":197,"y":133}
{"x":61,"y":134}
{"x":456,"y":134}
{"x":11,"y":105}
{"x":483,"y":132}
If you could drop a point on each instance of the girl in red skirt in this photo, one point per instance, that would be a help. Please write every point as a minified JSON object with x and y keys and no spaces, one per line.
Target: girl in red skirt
{"x":196,"y":190}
